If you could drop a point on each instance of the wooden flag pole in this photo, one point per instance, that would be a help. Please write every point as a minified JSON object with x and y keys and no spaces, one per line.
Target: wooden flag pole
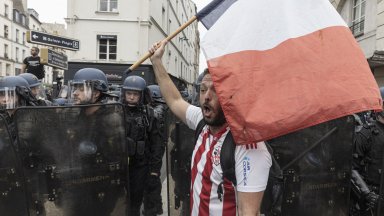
{"x":146,"y":56}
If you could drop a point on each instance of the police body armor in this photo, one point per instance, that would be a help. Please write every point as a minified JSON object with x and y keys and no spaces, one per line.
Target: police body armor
{"x":74,"y":162}
{"x":138,"y":121}
{"x":12,"y":194}
{"x":374,"y":159}
{"x":313,"y":171}
{"x":371,"y":162}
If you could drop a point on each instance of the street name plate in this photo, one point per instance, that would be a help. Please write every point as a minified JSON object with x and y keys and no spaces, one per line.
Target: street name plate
{"x":53,"y":58}
{"x":52,"y":40}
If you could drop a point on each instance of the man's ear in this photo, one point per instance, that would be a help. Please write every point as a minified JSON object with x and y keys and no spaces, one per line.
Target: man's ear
{"x":96,"y":95}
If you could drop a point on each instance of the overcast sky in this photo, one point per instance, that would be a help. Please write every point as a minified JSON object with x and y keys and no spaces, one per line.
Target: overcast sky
{"x":56,"y":10}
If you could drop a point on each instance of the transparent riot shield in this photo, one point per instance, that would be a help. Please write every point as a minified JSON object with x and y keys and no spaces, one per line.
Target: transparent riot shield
{"x":380,"y":205}
{"x":312,"y":170}
{"x":12,"y":196}
{"x":74,"y":159}
{"x":180,"y":147}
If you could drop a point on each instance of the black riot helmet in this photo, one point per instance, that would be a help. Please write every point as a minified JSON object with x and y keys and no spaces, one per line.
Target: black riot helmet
{"x":381,"y":114}
{"x":31,"y":79}
{"x":134,"y":84}
{"x":382,"y":93}
{"x":196,"y":85}
{"x":93,"y":75}
{"x":12,"y":90}
{"x":156,"y":93}
{"x":85,"y":82}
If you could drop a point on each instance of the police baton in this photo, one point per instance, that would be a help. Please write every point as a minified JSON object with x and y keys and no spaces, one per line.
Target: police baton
{"x":146,"y":56}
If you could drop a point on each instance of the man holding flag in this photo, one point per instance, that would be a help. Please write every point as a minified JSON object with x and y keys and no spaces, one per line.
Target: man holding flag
{"x":252,"y":162}
{"x":301,"y":49}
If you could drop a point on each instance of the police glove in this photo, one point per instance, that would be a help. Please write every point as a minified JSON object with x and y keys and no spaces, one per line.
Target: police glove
{"x":154,"y":181}
{"x":371,"y":199}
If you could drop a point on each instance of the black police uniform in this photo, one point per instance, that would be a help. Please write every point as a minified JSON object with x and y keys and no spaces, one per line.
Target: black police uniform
{"x":145,"y":149}
{"x":368,"y":155}
{"x":153,"y":204}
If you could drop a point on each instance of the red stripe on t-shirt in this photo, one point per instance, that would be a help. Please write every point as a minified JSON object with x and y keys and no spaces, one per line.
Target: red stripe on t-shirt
{"x":229,"y":205}
{"x":196,"y":160}
{"x":205,"y":194}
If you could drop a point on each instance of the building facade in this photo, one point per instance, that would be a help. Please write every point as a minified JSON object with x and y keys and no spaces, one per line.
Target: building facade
{"x":13,"y":45}
{"x":114,"y":34}
{"x":366,"y":21}
{"x":15,"y":21}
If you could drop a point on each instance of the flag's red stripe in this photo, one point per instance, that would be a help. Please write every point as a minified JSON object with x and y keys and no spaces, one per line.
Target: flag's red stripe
{"x":302,"y":82}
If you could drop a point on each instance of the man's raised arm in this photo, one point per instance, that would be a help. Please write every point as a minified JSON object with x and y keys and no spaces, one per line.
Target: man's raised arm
{"x":168,"y":89}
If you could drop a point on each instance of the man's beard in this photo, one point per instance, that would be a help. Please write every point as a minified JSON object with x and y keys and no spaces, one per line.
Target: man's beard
{"x":219,"y":120}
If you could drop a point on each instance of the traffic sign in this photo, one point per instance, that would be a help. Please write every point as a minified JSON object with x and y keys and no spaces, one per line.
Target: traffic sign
{"x":52,"y":40}
{"x":53,"y":58}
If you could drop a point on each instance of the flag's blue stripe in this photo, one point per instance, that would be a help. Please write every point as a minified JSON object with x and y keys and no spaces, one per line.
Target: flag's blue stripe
{"x":213,"y":11}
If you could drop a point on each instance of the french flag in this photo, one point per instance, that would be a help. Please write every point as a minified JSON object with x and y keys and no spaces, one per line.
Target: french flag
{"x":279,"y":66}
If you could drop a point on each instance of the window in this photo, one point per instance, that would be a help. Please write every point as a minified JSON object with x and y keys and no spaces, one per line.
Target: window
{"x":6,"y":51}
{"x":6,"y":31}
{"x":17,"y":54}
{"x":8,"y":69}
{"x":16,"y":16}
{"x":17,"y":35}
{"x":23,"y":55}
{"x":108,"y":5}
{"x":22,"y":17}
{"x":6,"y":12}
{"x":17,"y":71}
{"x":23,"y":37}
{"x":358,"y":17}
{"x":107,"y":47}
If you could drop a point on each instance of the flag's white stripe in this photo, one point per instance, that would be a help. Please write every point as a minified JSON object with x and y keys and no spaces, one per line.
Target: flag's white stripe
{"x":264,"y":24}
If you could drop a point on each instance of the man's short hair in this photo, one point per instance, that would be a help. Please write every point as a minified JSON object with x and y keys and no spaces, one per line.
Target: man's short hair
{"x":205,"y":72}
{"x":36,"y":48}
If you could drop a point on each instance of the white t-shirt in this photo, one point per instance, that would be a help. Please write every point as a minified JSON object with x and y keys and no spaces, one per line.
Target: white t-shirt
{"x":252,"y":168}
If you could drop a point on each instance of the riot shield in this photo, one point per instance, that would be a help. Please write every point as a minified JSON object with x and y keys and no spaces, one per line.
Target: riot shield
{"x":380,"y":205}
{"x":74,"y":159}
{"x":311,"y":171}
{"x":179,"y":153}
{"x":12,"y":196}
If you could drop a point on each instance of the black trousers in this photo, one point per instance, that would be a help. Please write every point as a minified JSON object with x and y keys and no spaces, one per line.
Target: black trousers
{"x":138,"y":174}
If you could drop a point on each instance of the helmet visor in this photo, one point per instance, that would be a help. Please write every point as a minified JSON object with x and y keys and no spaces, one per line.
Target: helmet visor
{"x":80,"y":92}
{"x":39,"y":92}
{"x":8,"y":98}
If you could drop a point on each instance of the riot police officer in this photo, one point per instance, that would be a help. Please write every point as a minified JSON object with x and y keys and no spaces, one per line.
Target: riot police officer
{"x":35,"y":87}
{"x":89,"y":86}
{"x":152,"y":197}
{"x":145,"y":143}
{"x":96,"y":145}
{"x":368,"y":162}
{"x":14,"y":92}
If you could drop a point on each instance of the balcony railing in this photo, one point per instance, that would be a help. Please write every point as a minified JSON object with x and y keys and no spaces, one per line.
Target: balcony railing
{"x":357,"y":28}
